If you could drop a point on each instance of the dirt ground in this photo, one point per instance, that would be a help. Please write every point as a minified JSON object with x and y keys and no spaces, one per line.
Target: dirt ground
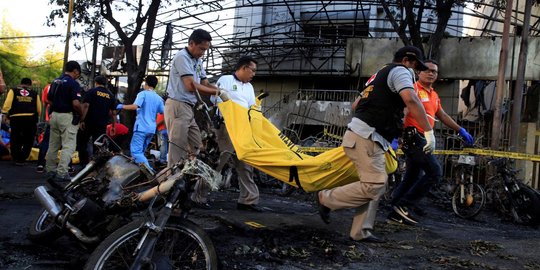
{"x":290,"y":235}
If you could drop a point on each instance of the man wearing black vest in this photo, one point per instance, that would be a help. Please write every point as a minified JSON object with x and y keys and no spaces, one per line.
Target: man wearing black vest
{"x":377,"y":121}
{"x":23,"y":108}
{"x":98,"y":106}
{"x":64,"y":96}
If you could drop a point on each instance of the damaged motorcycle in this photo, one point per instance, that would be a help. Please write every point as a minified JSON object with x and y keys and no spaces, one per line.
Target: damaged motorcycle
{"x":95,"y":202}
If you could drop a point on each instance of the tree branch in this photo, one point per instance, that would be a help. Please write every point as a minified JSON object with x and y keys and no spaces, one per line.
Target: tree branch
{"x":399,"y":30}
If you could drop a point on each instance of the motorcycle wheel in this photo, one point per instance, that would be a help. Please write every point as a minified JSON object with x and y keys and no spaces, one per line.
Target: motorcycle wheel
{"x":470,"y":206}
{"x":181,"y":245}
{"x":43,"y":229}
{"x":525,"y":206}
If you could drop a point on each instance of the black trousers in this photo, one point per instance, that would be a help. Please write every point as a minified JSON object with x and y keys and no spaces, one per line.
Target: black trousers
{"x":23,"y":133}
{"x":44,"y":145}
{"x":83,"y":138}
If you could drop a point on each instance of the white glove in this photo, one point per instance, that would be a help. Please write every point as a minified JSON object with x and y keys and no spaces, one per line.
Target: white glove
{"x":223,"y":95}
{"x":430,"y":141}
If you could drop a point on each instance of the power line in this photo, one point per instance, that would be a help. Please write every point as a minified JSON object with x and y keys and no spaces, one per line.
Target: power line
{"x":41,"y":36}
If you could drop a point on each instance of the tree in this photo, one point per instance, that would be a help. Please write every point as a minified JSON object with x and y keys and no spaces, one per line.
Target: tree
{"x":142,"y":15}
{"x":412,"y":21}
{"x":13,"y":54}
{"x":15,"y":63}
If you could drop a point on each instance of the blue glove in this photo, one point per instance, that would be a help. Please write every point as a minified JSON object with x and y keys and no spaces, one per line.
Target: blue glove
{"x":120,"y":106}
{"x":394,"y":144}
{"x":469,"y":140}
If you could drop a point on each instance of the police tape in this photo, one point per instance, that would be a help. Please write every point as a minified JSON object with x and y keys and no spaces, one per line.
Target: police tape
{"x":465,"y":151}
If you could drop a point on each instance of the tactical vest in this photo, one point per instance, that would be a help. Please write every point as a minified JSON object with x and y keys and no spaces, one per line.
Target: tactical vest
{"x":24,"y":101}
{"x":380,"y":107}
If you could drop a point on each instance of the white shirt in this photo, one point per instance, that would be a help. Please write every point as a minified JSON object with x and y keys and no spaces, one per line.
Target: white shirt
{"x":240,"y":92}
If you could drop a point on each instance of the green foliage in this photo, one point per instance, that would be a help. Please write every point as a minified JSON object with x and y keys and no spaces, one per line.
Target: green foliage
{"x":15,"y":63}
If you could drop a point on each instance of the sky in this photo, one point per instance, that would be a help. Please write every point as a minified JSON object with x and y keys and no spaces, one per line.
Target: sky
{"x":29,"y":16}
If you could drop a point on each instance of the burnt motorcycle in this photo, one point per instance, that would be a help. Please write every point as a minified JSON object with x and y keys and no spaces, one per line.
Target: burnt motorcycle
{"x":96,"y":202}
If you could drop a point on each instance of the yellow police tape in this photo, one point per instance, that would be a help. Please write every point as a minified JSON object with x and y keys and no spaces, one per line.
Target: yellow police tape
{"x":465,"y":151}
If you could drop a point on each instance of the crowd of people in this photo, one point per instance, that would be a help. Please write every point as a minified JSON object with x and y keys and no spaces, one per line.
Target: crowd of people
{"x":75,"y":118}
{"x":389,"y":96}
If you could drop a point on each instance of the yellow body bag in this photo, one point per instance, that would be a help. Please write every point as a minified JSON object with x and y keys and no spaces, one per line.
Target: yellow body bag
{"x":260,"y":144}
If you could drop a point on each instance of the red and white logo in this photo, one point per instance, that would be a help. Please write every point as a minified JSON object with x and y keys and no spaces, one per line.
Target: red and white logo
{"x":24,"y":92}
{"x":371,"y":79}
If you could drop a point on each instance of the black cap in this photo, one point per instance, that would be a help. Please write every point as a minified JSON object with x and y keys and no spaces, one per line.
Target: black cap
{"x":412,"y":52}
{"x":101,"y":80}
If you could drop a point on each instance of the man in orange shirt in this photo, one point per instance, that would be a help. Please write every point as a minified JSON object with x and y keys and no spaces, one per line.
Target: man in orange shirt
{"x":414,"y":187}
{"x":44,"y":142}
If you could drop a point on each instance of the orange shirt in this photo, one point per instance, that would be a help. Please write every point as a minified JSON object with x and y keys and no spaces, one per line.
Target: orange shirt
{"x":160,"y":118}
{"x":45,"y":102}
{"x":431,"y":102}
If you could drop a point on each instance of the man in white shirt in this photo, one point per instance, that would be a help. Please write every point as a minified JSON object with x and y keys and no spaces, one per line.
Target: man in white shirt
{"x":241,"y":91}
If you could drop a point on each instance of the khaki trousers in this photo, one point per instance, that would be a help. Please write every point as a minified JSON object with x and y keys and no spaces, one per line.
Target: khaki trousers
{"x":249,"y":192}
{"x":368,"y":158}
{"x":63,"y":136}
{"x":184,"y":137}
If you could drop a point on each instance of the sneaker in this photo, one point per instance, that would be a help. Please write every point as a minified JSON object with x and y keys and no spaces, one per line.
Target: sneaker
{"x":395,"y":218}
{"x":404,"y":213}
{"x":370,"y":239}
{"x":65,"y":178}
{"x":40,"y":168}
{"x":50,"y":174}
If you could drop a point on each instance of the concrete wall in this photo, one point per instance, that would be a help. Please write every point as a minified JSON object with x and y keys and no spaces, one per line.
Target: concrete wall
{"x":462,"y":58}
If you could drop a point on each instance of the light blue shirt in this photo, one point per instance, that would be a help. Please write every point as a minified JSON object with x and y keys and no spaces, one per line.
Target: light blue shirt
{"x":184,"y":64}
{"x":150,"y":104}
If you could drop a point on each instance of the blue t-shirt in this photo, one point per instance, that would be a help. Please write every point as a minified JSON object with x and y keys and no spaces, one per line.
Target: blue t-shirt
{"x":150,"y":104}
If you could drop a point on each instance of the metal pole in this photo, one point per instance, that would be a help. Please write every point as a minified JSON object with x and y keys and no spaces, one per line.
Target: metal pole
{"x":501,"y":84}
{"x":68,"y":33}
{"x":522,"y":64}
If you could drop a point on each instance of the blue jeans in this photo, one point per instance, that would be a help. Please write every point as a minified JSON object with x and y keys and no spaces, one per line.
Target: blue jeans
{"x":139,"y":142}
{"x":415,"y":186}
{"x":164,"y":147}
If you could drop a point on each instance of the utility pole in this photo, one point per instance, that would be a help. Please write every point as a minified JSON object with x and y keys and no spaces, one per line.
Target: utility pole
{"x":94,"y":54}
{"x":68,"y":34}
{"x":518,"y":93}
{"x":501,"y":84}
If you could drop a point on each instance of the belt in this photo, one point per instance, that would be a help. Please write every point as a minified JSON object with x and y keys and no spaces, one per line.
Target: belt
{"x":187,"y":103}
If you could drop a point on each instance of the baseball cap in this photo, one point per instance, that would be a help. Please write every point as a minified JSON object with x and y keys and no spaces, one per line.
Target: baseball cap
{"x":414,"y":52}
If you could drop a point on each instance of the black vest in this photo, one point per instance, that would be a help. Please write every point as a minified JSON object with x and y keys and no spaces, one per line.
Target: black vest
{"x":24,"y":101}
{"x":381,"y":108}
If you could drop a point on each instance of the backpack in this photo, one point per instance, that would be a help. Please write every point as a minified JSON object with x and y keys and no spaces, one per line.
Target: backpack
{"x":53,"y":89}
